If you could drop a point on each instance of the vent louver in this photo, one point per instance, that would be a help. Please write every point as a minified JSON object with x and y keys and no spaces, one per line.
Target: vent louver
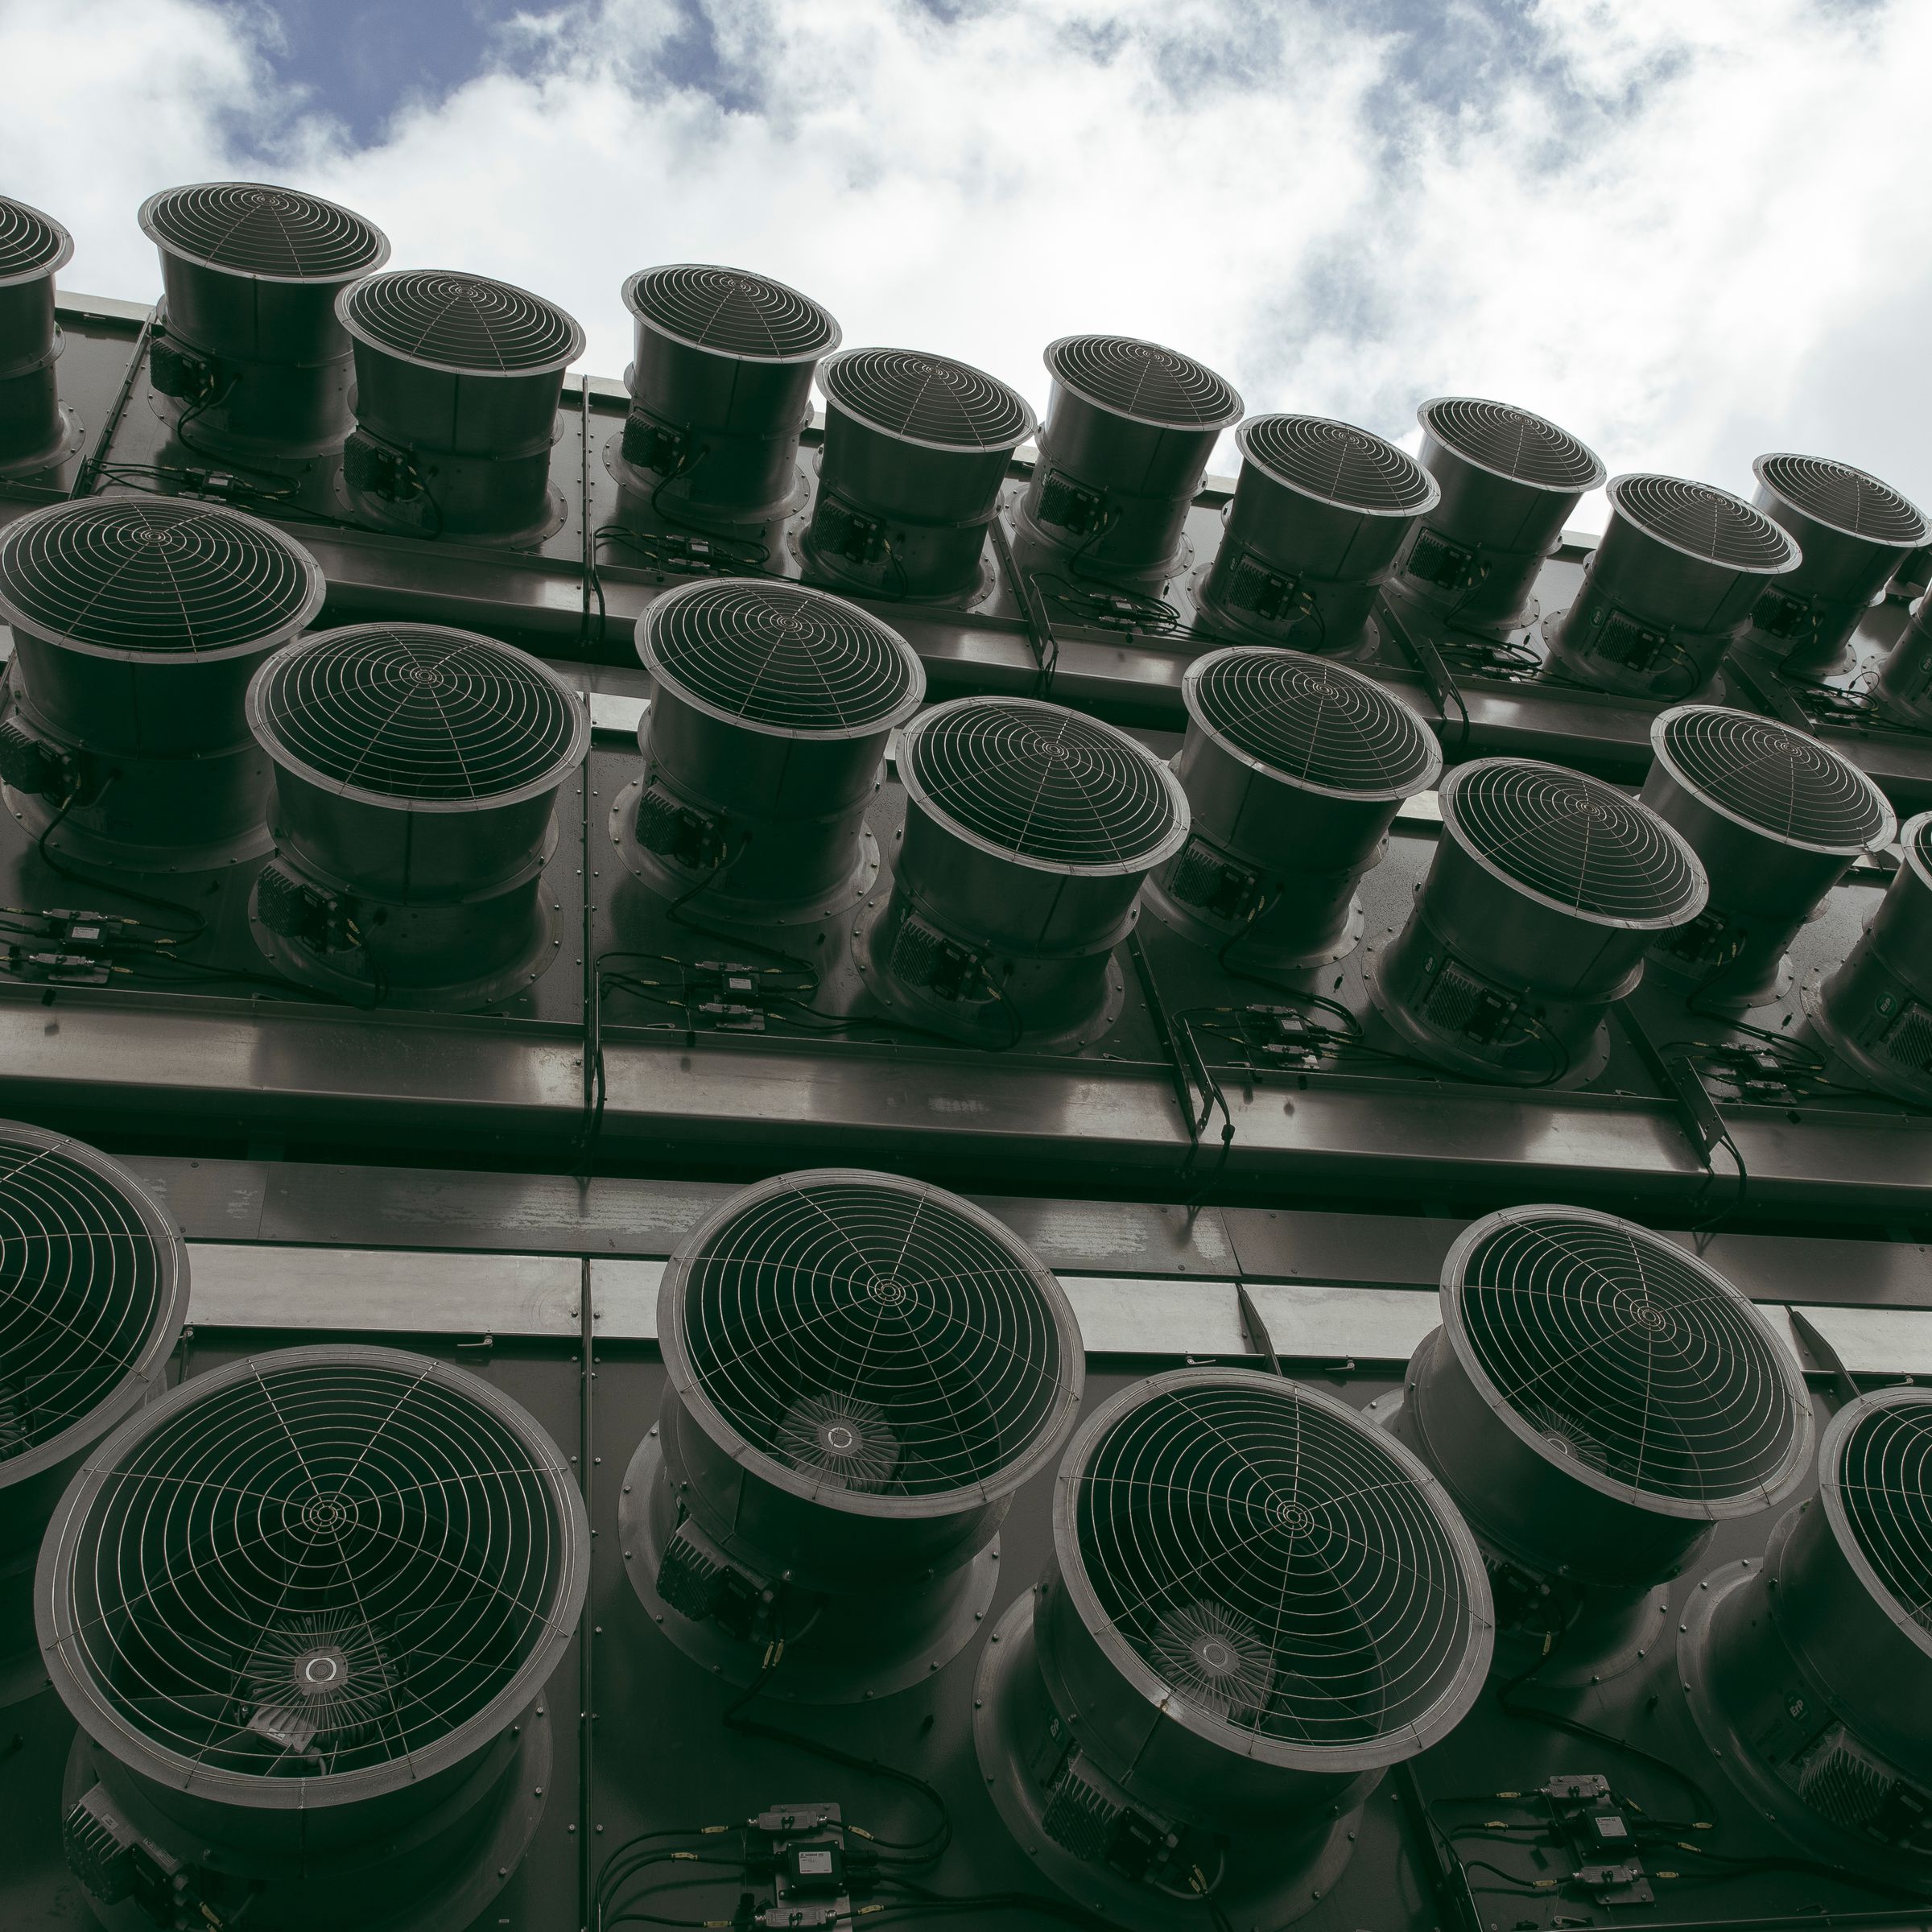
{"x":1028,"y":832}
{"x":1130,"y":427}
{"x":762,"y":748}
{"x":1855,"y":532}
{"x":720,"y":386}
{"x":249,"y":342}
{"x":1294,"y":770}
{"x":1510,"y":480}
{"x":1673,"y":582}
{"x":1255,"y":1603}
{"x":1810,"y":1673}
{"x":93,"y":1288}
{"x":1546,"y":889}
{"x":137,"y":622}
{"x":1777,"y":818}
{"x":1875,"y":1010}
{"x":862,"y":1371}
{"x":916,"y":448}
{"x":1595,"y":1400}
{"x":319,"y":1584}
{"x":1321,"y":511}
{"x":457,"y":380}
{"x":416,"y":775}
{"x":34,"y":432}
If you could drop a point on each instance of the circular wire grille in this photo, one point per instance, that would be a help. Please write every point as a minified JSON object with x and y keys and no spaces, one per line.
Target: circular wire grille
{"x":31,"y":243}
{"x":1336,"y":463}
{"x":1623,"y":1355}
{"x":1883,"y":1476}
{"x":1574,"y":840}
{"x":777,"y":655}
{"x":91,"y":1288}
{"x":256,"y":229}
{"x":926,"y":398}
{"x":154,"y":574}
{"x":1143,"y":381}
{"x":461,"y":322}
{"x":732,"y":312}
{"x":409,"y":711}
{"x":1270,"y":1558}
{"x":1707,"y":523}
{"x":1318,"y":724}
{"x":876,"y":1336}
{"x":1846,"y":499}
{"x":1512,"y":442}
{"x":1774,"y":777}
{"x":1045,"y":783}
{"x":318,"y":1563}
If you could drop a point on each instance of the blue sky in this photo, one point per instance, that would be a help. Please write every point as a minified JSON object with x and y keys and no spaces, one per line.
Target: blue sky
{"x":1690,"y":232}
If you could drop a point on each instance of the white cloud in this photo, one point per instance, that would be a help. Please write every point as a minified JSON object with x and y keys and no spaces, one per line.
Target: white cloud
{"x":1689,"y":234}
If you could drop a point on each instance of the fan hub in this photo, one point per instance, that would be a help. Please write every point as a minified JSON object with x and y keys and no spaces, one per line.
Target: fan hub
{"x":1297,"y":1519}
{"x":888,"y":1293}
{"x":328,"y":1515}
{"x":321,"y":1672}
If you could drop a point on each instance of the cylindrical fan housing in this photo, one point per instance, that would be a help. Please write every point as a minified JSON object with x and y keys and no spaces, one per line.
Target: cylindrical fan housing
{"x":1129,"y":428}
{"x":916,"y":448}
{"x":1294,"y":770}
{"x":1509,"y":481}
{"x":1029,"y":831}
{"x":721,"y":385}
{"x":1596,"y":1400}
{"x":1855,"y":531}
{"x":34,"y":248}
{"x":862,"y":1371}
{"x":1875,"y":1010}
{"x":1810,"y":1673}
{"x":1546,"y":888}
{"x":301,"y":1608}
{"x":770,"y":710}
{"x":1669,"y":587}
{"x":416,"y":771}
{"x":137,"y":622}
{"x":93,"y":1288}
{"x":457,"y":380}
{"x":1257,"y":1602}
{"x":250,"y":344}
{"x":1320,"y":513}
{"x":1777,"y":818}
{"x":1905,"y":678}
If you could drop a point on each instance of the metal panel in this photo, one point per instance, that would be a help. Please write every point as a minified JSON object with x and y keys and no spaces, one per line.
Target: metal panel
{"x":1136,"y":1316}
{"x":1350,"y":1324}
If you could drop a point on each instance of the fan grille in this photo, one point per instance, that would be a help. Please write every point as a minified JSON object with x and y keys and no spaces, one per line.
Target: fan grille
{"x":1513,"y":443}
{"x":1336,"y":463}
{"x":874,"y":1335}
{"x":1573,"y":840}
{"x":732,"y":312}
{"x":153,"y":574}
{"x":927,"y":398}
{"x":312,"y":1566}
{"x":1628,"y":1356}
{"x":87,"y":1279}
{"x":1845,"y":498}
{"x":772,"y":655}
{"x":408,"y":711}
{"x":1313,"y":723}
{"x":1884,"y":1478}
{"x":31,"y":243}
{"x":462,"y":322}
{"x":1778,"y":778}
{"x":1041,"y":782}
{"x":1272,"y":1562}
{"x":1707,"y":523}
{"x":256,"y":229}
{"x":1144,"y":381}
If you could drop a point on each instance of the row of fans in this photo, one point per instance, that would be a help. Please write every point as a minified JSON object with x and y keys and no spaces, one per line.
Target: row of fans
{"x":304,"y":1606}
{"x":272,"y":296}
{"x":160,"y":684}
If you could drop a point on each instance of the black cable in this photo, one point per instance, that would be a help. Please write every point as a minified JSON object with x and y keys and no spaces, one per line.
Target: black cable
{"x":127,"y":892}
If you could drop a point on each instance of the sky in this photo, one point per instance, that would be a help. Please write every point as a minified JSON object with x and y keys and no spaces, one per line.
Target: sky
{"x":1690,"y":231}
